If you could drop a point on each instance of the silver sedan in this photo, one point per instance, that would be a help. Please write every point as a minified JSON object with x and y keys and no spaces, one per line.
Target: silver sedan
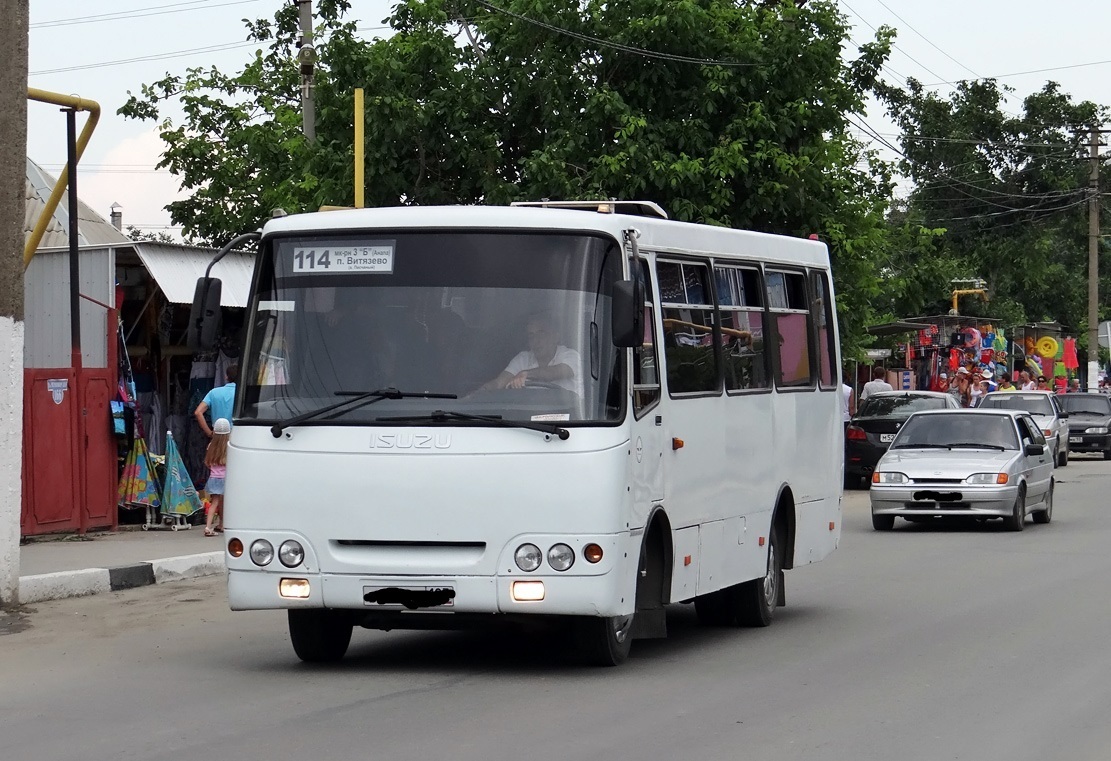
{"x":977,"y":463}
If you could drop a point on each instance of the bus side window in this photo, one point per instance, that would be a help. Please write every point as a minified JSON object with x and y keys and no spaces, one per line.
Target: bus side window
{"x":790,"y":328}
{"x":741,"y":302}
{"x":646,"y":366}
{"x":688,"y":321}
{"x":822,"y":315}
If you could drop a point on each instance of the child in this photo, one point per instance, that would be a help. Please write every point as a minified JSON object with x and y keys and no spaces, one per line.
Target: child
{"x":216,"y":458}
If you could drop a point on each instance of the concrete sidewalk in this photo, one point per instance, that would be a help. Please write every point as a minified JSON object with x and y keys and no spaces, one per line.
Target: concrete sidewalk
{"x":72,"y":566}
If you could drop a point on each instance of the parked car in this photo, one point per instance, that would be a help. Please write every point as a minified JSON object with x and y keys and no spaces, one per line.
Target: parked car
{"x":877,"y":420}
{"x":976,"y":463}
{"x":1045,"y":409}
{"x":1089,"y":422}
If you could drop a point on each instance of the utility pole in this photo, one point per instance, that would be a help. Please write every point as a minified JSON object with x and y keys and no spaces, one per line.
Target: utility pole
{"x":1093,"y":263}
{"x":306,"y":55}
{"x":13,"y":187}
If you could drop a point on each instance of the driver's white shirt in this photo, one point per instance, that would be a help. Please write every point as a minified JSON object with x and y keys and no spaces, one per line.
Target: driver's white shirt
{"x":526,"y":360}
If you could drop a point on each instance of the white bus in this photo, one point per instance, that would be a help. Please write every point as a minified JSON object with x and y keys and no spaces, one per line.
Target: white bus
{"x":405,"y":455}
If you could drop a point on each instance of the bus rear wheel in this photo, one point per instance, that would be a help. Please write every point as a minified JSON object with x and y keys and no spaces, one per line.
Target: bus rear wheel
{"x":319,"y":635}
{"x":603,"y":641}
{"x":750,"y":603}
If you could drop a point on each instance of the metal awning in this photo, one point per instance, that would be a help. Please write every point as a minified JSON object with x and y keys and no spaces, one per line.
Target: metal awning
{"x":894,"y":328}
{"x":177,"y":268}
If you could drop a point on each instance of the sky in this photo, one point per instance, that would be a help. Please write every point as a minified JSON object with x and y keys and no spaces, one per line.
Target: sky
{"x":100,"y":51}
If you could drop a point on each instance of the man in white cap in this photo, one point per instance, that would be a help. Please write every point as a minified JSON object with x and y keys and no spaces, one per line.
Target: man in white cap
{"x":989,"y":379}
{"x":961,"y":387}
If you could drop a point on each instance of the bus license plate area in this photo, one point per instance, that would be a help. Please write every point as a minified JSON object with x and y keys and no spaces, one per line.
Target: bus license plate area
{"x":409,"y":598}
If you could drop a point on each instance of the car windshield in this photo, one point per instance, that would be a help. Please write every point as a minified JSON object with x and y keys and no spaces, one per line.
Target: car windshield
{"x":901,"y":405}
{"x":434,"y":312}
{"x":959,"y":429}
{"x":1035,"y":404}
{"x":1099,"y":405}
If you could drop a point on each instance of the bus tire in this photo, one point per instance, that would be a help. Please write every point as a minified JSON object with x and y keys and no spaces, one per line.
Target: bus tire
{"x":603,"y":641}
{"x":319,"y":635}
{"x":750,"y":603}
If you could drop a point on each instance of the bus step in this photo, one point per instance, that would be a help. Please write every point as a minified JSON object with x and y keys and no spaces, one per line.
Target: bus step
{"x":650,"y":623}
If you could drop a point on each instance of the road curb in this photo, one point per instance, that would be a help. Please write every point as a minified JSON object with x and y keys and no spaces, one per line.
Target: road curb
{"x":90,"y":581}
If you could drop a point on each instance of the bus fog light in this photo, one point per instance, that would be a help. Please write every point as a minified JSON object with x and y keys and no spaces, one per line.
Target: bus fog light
{"x":235,"y":548}
{"x":296,"y":588}
{"x":592,"y":553}
{"x":527,"y":591}
{"x":528,"y":557}
{"x":291,"y":553}
{"x":262,"y":552}
{"x":561,"y":557}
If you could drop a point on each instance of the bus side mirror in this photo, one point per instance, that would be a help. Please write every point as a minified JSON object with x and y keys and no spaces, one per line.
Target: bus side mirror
{"x":204,"y":316}
{"x":628,"y":314}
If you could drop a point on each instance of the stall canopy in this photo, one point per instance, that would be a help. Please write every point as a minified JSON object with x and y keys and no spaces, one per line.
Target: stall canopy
{"x":176,"y":269}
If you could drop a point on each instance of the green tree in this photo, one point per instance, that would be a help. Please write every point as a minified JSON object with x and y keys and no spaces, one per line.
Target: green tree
{"x":1010,"y":192}
{"x":724,"y":112}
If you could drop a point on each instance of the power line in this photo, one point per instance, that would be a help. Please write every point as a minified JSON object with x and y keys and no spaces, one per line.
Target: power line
{"x":874,"y":29}
{"x":173,"y":54}
{"x":1023,"y":73}
{"x":616,"y":45}
{"x":154,"y":10}
{"x":927,"y":39}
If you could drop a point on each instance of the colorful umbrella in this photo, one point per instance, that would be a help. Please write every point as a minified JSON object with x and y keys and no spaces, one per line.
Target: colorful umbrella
{"x":180,"y":496}
{"x":139,"y":483}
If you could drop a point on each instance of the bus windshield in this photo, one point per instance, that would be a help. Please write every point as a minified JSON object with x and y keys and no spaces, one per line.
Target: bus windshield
{"x":515,"y":325}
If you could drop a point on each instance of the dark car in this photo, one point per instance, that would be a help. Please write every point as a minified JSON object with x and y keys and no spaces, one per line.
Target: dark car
{"x":1089,"y":422}
{"x":878,"y":418}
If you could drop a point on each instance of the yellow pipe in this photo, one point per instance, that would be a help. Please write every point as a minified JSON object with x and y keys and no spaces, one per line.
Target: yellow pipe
{"x":966,"y":292}
{"x":77,"y":104}
{"x":358,"y":147}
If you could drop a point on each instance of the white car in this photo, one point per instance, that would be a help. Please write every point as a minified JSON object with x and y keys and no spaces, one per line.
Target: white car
{"x":1045,"y":409}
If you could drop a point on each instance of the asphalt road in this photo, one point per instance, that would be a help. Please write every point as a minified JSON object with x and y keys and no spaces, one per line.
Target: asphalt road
{"x":923,"y":643}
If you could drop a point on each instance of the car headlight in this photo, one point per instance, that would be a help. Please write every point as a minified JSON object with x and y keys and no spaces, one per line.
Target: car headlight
{"x":987,"y":478}
{"x":291,"y":553}
{"x":262,"y":552}
{"x":889,"y":477}
{"x":528,"y":557}
{"x":561,"y":557}
{"x":1098,"y":429}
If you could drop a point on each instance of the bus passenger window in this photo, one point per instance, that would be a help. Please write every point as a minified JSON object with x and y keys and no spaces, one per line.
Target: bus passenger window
{"x":740,"y":300}
{"x":790,"y":328}
{"x":688,"y":322}
{"x":822,"y":308}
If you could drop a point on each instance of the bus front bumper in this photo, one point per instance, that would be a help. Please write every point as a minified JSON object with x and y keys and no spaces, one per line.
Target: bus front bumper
{"x":546,"y":594}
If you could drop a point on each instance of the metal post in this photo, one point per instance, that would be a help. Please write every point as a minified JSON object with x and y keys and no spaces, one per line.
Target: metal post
{"x":307,"y":56}
{"x":1093,"y":263}
{"x":359,"y":149}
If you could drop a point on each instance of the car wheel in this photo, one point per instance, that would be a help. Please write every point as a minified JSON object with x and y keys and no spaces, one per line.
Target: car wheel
{"x":883,"y":522}
{"x":1017,"y":519}
{"x":1045,"y":515}
{"x":1063,"y":458}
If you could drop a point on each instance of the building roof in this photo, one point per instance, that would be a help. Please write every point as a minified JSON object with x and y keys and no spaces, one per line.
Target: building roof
{"x":92,"y":229}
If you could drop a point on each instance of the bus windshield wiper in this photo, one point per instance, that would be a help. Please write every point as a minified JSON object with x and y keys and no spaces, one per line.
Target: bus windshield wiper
{"x":440,"y":416}
{"x":358,"y":399}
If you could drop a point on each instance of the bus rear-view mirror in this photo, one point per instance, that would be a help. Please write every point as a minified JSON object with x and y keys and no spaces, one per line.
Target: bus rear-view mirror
{"x":628,"y":314}
{"x":204,"y":316}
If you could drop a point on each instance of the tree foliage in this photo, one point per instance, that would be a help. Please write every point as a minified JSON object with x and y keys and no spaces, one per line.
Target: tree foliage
{"x":1010,"y":192}
{"x":724,"y":112}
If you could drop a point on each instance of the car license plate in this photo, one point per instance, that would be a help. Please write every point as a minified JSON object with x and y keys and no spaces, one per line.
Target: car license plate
{"x":1076,"y":439}
{"x":887,"y":438}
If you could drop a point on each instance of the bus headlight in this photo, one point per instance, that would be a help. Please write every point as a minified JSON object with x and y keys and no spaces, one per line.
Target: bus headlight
{"x":528,"y":557}
{"x":561,"y":557}
{"x":262,"y":552}
{"x":291,"y":553}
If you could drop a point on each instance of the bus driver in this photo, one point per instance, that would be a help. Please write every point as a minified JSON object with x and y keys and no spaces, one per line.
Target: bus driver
{"x":545,"y":361}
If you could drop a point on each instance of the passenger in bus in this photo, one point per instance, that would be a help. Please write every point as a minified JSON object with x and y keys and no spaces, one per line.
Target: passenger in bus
{"x":544,"y":361}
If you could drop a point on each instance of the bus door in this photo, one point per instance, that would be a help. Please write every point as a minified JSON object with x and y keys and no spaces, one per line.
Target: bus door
{"x":647,"y":438}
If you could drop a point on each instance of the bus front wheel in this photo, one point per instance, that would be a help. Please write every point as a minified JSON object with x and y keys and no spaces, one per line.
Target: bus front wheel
{"x":319,"y":635}
{"x":604,"y":641}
